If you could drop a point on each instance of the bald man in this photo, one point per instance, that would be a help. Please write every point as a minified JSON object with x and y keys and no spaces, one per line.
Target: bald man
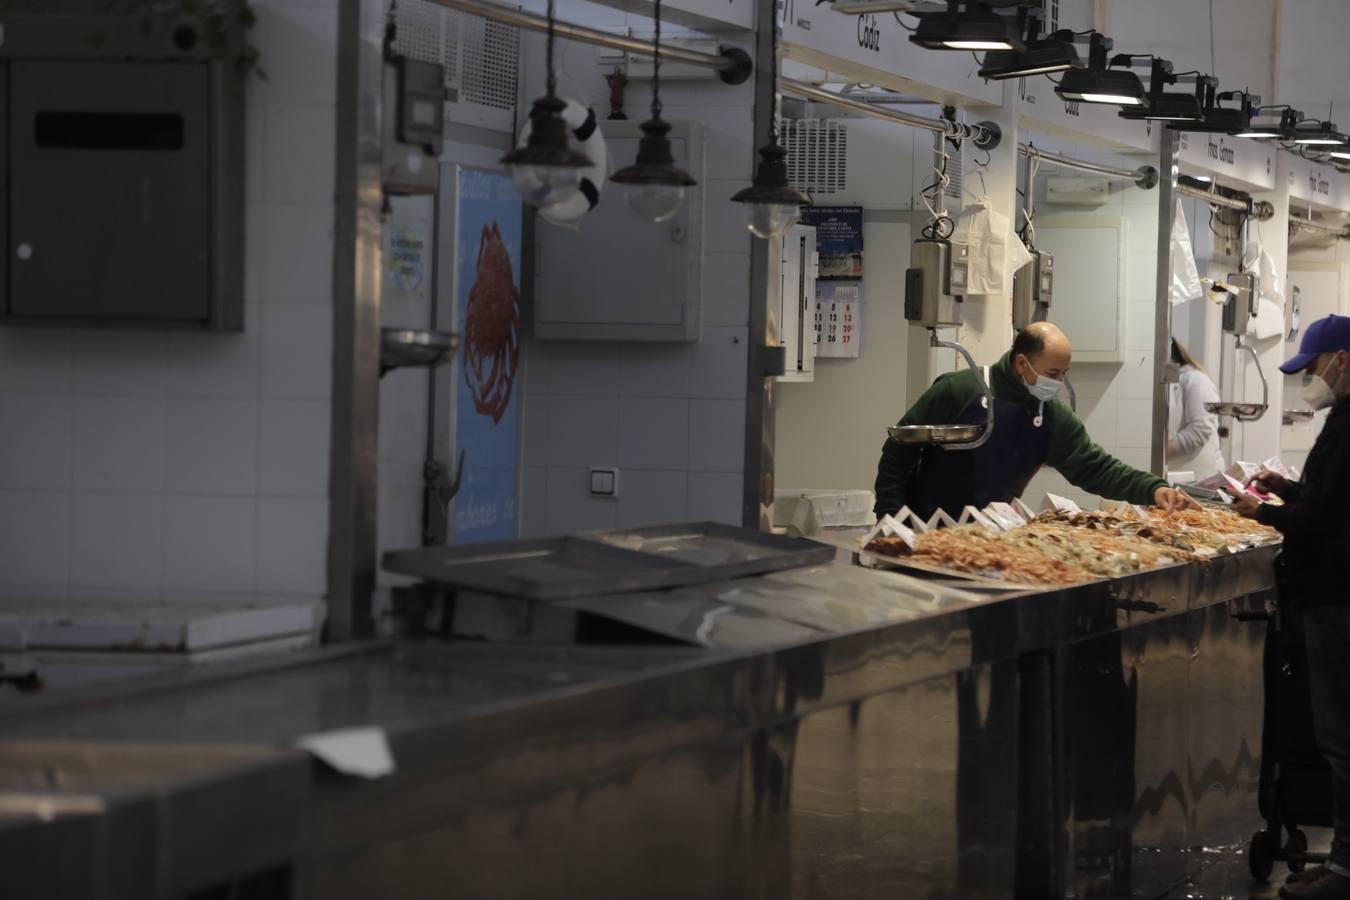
{"x":1032,"y":428}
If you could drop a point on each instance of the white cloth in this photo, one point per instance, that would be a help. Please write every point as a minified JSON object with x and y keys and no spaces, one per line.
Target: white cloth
{"x":1194,"y":431}
{"x":1185,"y":276}
{"x":1270,"y":300}
{"x":995,"y":252}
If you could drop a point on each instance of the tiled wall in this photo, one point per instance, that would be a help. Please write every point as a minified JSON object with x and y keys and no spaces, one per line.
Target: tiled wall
{"x":671,"y":416}
{"x":1114,"y":399}
{"x":143,"y":463}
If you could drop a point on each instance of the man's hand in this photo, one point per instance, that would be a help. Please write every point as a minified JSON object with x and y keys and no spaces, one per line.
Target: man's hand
{"x":1245,"y":504}
{"x":1171,"y":499}
{"x":1270,"y":482}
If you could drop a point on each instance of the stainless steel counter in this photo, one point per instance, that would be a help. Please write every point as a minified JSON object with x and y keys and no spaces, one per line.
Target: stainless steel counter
{"x":826,"y":732}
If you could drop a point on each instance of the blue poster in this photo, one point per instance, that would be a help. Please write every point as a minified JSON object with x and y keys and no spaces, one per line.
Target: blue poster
{"x":839,"y":239}
{"x":487,"y":296}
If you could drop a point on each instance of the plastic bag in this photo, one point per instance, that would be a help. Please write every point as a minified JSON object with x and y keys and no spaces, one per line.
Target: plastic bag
{"x":1185,"y":276}
{"x":995,"y":252}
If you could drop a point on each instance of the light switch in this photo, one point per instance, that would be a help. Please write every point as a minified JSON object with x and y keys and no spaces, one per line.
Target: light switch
{"x":604,"y":483}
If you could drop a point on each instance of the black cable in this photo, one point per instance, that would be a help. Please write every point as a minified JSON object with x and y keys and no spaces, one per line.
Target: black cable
{"x":901,"y":22}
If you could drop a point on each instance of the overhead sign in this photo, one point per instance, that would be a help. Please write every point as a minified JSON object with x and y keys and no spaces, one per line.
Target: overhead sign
{"x":874,"y":49}
{"x":1043,"y":110}
{"x":1235,"y":162}
{"x":1318,"y":185}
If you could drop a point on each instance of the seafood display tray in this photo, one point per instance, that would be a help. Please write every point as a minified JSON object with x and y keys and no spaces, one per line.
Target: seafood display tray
{"x":609,"y":562}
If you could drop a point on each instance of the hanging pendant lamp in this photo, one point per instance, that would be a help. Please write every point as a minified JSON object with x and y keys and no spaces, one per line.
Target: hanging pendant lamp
{"x":653,"y":186}
{"x":546,"y":167}
{"x":772,"y":204}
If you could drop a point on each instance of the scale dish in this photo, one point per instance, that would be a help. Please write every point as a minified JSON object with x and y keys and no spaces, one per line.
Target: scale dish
{"x":934,"y":434}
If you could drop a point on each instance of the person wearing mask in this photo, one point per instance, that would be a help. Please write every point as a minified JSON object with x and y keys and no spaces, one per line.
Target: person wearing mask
{"x":1032,"y":428}
{"x":1314,"y":569}
{"x":1193,"y":439}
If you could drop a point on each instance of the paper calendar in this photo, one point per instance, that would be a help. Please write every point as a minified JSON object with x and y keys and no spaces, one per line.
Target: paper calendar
{"x":838,"y":319}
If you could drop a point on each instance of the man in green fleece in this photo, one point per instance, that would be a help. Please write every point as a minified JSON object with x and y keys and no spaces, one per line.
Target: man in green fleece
{"x":1031,"y":429}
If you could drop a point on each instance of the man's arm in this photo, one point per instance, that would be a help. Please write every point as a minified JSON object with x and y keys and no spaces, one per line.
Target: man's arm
{"x":1088,"y":467}
{"x":1320,"y":509}
{"x":898,"y":461}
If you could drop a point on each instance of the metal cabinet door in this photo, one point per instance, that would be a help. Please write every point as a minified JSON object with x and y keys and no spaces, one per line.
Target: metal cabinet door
{"x":109,"y":213}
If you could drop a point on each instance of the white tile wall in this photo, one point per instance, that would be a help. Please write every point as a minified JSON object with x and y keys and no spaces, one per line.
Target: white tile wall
{"x":715,"y":497}
{"x":142,"y":463}
{"x":653,"y":432}
{"x":650,"y":498}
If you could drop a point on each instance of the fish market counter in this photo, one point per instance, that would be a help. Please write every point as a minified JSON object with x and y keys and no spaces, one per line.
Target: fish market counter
{"x":823,"y":730}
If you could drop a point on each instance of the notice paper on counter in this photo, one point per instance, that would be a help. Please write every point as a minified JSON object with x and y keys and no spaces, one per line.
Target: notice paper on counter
{"x":360,"y":752}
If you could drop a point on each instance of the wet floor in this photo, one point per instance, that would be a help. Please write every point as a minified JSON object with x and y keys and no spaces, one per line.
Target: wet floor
{"x":1227,"y":877}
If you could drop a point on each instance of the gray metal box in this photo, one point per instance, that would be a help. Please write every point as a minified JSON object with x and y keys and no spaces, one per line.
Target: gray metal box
{"x":124,"y":166}
{"x":617,"y":277}
{"x":935,"y":283}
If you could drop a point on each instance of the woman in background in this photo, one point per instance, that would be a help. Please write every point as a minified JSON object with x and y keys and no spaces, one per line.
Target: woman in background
{"x":1193,"y":434}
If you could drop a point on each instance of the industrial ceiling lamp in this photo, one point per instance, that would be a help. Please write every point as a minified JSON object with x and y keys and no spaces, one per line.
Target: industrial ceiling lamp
{"x":772,"y":205}
{"x":1041,"y":56}
{"x":978,"y":28}
{"x":654,"y":187}
{"x":1168,"y":106}
{"x":1314,"y":133}
{"x":1232,"y":120}
{"x":1285,"y":129}
{"x":1100,"y":84}
{"x":546,"y":167}
{"x":870,"y":7}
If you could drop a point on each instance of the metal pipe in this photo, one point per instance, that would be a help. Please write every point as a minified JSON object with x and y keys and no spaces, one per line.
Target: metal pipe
{"x":1262,"y":210}
{"x":1343,"y":233}
{"x":1144,"y":176}
{"x":732,"y":64}
{"x":984,"y":134}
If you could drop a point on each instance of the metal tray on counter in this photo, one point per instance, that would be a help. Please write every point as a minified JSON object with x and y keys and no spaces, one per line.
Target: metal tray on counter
{"x":609,"y":562}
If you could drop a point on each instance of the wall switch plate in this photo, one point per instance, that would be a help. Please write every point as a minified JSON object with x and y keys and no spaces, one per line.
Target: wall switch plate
{"x":603,"y":483}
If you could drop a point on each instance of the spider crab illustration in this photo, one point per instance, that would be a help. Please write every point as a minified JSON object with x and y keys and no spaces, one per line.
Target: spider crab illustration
{"x":492,"y":328}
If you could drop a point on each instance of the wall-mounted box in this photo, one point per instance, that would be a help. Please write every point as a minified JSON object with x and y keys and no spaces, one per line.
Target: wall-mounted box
{"x":123,"y":175}
{"x":617,"y":277}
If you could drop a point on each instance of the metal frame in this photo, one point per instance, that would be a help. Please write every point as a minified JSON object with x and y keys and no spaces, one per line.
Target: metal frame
{"x":732,"y":65}
{"x":1163,"y":372}
{"x":985,"y":134}
{"x":1145,"y":177}
{"x":1341,"y":234}
{"x":354,"y":438}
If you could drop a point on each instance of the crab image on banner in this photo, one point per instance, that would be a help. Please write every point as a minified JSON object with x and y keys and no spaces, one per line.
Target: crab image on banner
{"x":487,"y":303}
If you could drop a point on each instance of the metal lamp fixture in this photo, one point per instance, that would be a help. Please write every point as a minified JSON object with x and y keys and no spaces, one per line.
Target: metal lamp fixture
{"x":1053,"y":53}
{"x":546,"y":168}
{"x":977,"y":28}
{"x":1316,"y":134}
{"x":1099,"y":83}
{"x":1288,"y":120}
{"x":1168,"y":106}
{"x":654,"y":187}
{"x":772,"y":204}
{"x":1218,"y":119}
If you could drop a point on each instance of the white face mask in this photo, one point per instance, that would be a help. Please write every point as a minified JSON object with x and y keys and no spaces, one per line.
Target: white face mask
{"x":1317,"y":391}
{"x":1043,"y":389}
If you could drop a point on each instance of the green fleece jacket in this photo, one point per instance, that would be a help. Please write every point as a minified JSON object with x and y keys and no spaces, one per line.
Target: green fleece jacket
{"x":1072,"y":452}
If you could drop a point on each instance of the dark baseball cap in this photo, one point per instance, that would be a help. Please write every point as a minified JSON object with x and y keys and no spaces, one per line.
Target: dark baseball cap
{"x":1327,"y":335}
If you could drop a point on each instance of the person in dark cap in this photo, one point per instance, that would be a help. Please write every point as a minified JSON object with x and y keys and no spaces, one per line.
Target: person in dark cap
{"x":1314,"y":571}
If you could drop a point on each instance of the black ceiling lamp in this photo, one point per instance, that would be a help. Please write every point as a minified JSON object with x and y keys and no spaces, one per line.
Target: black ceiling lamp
{"x":1289,"y":119}
{"x":1040,"y":56}
{"x":546,"y":168}
{"x":1216,"y":119}
{"x":1099,"y":83}
{"x":1168,"y":106}
{"x":978,"y":27}
{"x":772,"y":204}
{"x":654,"y":187}
{"x":1316,"y":133}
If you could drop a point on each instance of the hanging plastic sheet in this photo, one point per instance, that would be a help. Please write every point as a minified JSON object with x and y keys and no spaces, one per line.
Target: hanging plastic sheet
{"x":1270,"y":300}
{"x":1185,"y":276}
{"x":995,"y":252}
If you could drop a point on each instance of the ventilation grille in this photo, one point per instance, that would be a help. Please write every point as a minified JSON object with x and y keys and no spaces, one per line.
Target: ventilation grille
{"x":480,"y":56}
{"x":817,"y":154}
